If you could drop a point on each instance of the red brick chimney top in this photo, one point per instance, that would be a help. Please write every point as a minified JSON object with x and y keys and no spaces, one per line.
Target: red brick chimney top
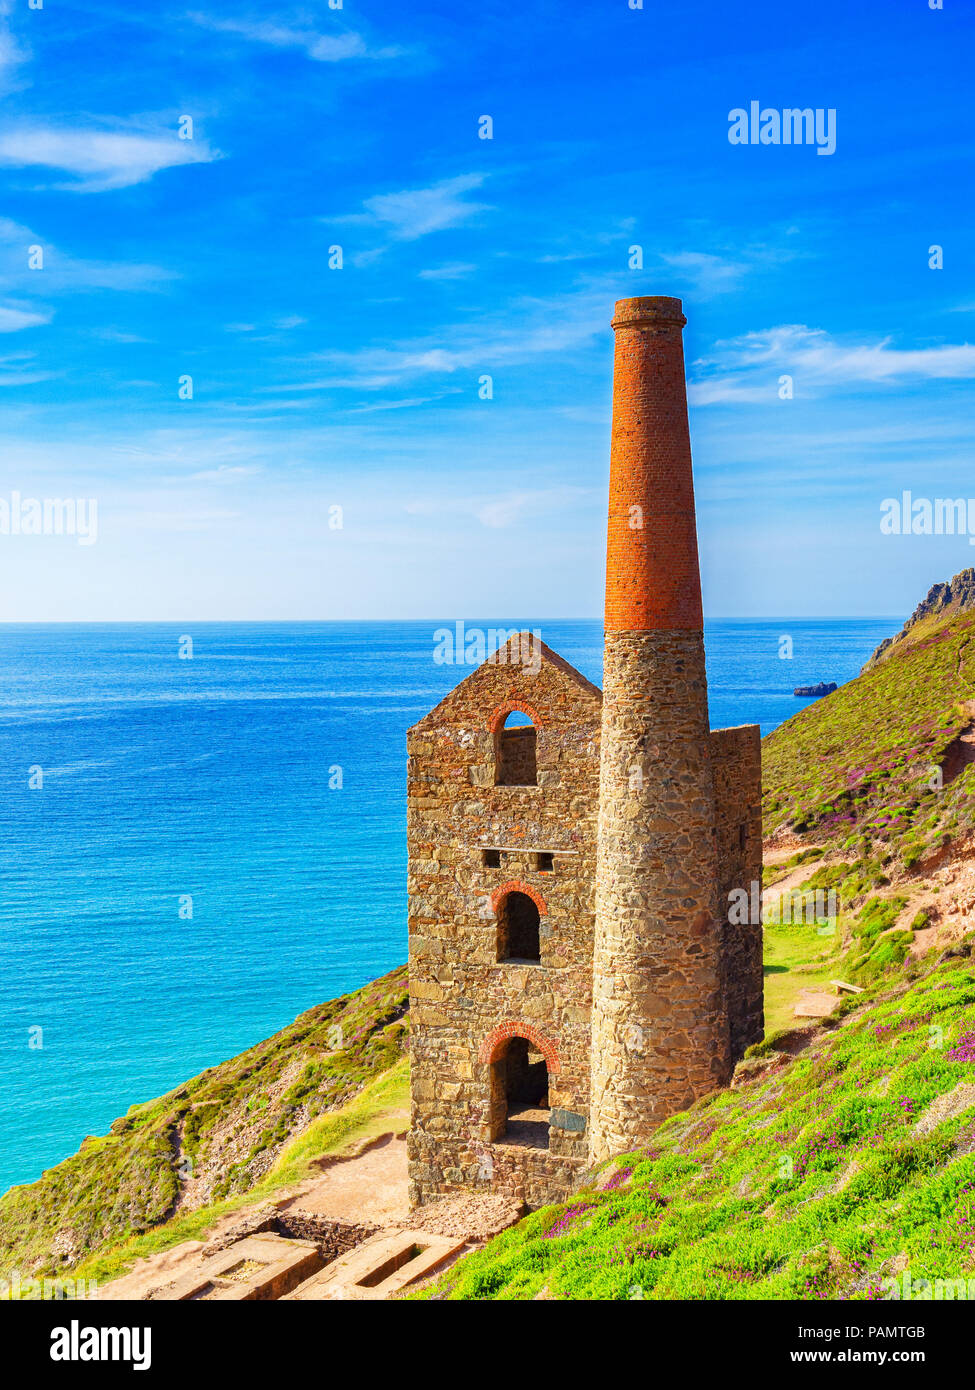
{"x":650,"y":310}
{"x":653,"y":581}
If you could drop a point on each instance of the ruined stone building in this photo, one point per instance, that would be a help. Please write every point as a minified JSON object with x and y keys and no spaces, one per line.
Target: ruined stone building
{"x":574,"y":977}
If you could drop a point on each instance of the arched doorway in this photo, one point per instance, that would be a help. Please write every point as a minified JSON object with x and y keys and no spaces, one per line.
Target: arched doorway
{"x":519,"y":1095}
{"x":518,"y":929}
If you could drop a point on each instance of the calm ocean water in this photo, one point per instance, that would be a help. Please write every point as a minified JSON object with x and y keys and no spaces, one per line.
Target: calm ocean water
{"x":210,"y":777}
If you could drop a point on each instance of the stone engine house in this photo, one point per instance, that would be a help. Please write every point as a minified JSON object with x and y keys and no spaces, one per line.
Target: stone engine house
{"x":574,"y":976}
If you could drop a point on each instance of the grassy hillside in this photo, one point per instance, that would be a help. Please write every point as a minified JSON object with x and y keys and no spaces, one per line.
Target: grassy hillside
{"x":860,"y":769}
{"x":217,"y":1136}
{"x":817,"y":1177}
{"x":822,"y":1176}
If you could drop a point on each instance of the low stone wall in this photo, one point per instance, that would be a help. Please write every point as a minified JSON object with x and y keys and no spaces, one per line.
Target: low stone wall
{"x":533,"y":1177}
{"x":333,"y":1238}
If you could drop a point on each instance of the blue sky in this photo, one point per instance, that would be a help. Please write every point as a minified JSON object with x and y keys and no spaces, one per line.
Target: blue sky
{"x":464,"y":257}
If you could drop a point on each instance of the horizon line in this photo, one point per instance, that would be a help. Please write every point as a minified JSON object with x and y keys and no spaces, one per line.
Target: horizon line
{"x":159,"y":622}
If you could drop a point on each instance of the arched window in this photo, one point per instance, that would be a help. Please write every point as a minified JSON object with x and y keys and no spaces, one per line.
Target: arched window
{"x":519,"y":1095}
{"x":518,"y":924}
{"x":515,"y":752}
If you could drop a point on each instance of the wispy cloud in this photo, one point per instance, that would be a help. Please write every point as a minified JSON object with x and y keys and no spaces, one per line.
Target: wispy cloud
{"x":322,"y":48}
{"x":110,"y":334}
{"x":64,"y":272}
{"x":225,"y":473}
{"x":273,"y":327}
{"x":12,"y":53}
{"x":99,"y":160}
{"x":524,"y":330}
{"x":408,"y":404}
{"x":707,"y":274}
{"x":745,"y":369}
{"x":499,"y":512}
{"x":415,"y":212}
{"x":453,"y":270}
{"x":17,"y":369}
{"x":14,"y":317}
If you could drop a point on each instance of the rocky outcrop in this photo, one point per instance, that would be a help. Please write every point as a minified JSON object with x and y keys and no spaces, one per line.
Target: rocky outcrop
{"x":954,"y":597}
{"x":823,"y":688}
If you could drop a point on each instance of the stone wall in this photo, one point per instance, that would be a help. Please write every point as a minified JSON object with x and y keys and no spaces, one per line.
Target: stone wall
{"x":736,"y":758}
{"x":660,"y":1032}
{"x":470,"y":843}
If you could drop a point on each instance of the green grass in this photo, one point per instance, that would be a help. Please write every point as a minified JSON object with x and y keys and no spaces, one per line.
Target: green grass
{"x":796,"y":957}
{"x":808,"y":1182}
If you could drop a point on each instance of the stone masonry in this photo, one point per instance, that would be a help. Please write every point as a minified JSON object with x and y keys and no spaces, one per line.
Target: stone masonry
{"x":574,"y":978}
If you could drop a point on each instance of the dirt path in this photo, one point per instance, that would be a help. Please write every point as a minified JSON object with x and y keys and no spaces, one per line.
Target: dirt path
{"x":772,"y":895}
{"x":370,"y":1189}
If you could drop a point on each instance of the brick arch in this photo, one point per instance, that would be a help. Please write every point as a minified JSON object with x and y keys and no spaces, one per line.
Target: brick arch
{"x":515,"y":886}
{"x":508,"y":707}
{"x":517,"y":1028}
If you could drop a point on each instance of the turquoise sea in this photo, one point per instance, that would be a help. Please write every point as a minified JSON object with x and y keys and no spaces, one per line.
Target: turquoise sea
{"x":216,"y":778}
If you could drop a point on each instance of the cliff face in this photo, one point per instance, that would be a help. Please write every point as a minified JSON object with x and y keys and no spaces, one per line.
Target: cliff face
{"x":955,"y":596}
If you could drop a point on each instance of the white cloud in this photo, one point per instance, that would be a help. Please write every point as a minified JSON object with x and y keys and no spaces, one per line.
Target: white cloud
{"x":499,"y":512}
{"x":279,"y":325}
{"x":725,"y":391}
{"x":12,"y":54}
{"x":100,"y":159}
{"x":397,"y":405}
{"x":415,"y":212}
{"x":17,"y":369}
{"x":746,"y":368}
{"x":225,"y":473}
{"x":14,"y":317}
{"x":453,"y":270}
{"x":110,"y":334}
{"x":707,"y":274}
{"x":704,"y":274}
{"x":62,"y":272}
{"x":322,"y":48}
{"x":525,"y":329}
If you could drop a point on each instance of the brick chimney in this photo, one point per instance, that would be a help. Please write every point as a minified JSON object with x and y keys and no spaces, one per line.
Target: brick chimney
{"x":652,"y":576}
{"x":660,"y":1031}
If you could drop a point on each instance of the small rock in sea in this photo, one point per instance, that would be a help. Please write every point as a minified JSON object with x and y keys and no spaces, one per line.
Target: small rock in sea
{"x":823,"y":688}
